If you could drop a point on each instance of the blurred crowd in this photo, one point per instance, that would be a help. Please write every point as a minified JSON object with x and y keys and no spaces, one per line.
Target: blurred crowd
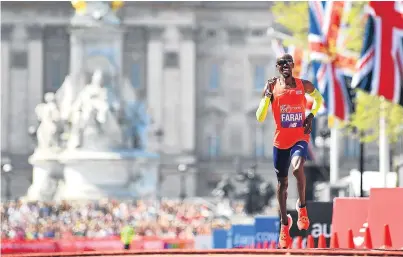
{"x":105,"y":218}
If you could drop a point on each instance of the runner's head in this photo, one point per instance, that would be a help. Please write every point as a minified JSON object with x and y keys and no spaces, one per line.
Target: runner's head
{"x":285,"y":64}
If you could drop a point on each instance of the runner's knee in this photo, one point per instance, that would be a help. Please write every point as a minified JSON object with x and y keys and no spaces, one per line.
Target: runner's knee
{"x":297,"y":164}
{"x":282,"y":184}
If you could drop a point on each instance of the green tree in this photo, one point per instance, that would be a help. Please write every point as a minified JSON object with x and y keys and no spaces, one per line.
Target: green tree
{"x":356,"y":25}
{"x":365,"y":119}
{"x":288,"y":14}
{"x":294,"y":17}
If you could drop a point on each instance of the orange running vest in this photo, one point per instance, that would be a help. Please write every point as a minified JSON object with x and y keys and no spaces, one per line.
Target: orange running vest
{"x":288,"y":109}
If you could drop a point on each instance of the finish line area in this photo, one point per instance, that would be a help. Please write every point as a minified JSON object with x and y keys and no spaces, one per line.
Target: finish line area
{"x":221,"y":253}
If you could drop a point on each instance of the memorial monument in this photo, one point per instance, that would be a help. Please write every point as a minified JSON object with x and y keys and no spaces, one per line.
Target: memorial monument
{"x":92,"y":136}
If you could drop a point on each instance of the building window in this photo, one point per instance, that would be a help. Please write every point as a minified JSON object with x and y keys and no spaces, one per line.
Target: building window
{"x":211,"y":33}
{"x":213,"y":146}
{"x":171,"y":60}
{"x":135,"y":78}
{"x":352,"y":147}
{"x":214,"y":81}
{"x":259,"y":141}
{"x":55,"y":73}
{"x":19,"y":59}
{"x":259,"y":78}
{"x":258,"y":32}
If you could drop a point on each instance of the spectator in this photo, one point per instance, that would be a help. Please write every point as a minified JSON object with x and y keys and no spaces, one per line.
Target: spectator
{"x":105,"y":218}
{"x":126,"y":236}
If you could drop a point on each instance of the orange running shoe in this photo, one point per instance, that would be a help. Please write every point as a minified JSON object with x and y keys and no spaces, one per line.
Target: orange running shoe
{"x":303,"y":220}
{"x":285,"y":240}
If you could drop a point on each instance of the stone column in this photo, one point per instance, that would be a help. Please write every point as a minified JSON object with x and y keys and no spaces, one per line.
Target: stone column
{"x":35,"y":71}
{"x":19,"y":97}
{"x":171,"y":87}
{"x":6,"y":31}
{"x":155,"y":73}
{"x":187,"y":110}
{"x":187,"y":62}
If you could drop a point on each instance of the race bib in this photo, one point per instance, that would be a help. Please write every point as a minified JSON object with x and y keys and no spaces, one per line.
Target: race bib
{"x":291,"y":116}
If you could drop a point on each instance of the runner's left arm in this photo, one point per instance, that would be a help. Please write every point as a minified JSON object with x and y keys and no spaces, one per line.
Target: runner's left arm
{"x":312,"y":91}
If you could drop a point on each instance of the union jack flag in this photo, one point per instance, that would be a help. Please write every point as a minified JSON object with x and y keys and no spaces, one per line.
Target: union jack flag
{"x":380,"y":67}
{"x":331,"y":63}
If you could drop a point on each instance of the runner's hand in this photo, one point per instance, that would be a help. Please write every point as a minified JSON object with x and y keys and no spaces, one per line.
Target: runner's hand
{"x":308,"y":124}
{"x":269,"y":87}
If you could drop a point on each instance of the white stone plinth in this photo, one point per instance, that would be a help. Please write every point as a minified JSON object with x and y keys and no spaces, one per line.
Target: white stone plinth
{"x":46,"y":174}
{"x":95,"y":175}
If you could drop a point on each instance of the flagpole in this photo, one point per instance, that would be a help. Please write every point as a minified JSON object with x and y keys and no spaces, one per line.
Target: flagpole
{"x":361,"y":167}
{"x":384,"y":165}
{"x":334,"y":150}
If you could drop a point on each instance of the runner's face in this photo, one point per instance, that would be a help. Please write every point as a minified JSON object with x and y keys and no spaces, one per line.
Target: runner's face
{"x":285,"y":66}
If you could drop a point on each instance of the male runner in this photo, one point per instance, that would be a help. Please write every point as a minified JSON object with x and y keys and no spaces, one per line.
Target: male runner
{"x":287,"y":95}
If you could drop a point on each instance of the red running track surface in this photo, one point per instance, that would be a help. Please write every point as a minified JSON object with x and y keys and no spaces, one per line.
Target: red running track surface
{"x":221,"y":253}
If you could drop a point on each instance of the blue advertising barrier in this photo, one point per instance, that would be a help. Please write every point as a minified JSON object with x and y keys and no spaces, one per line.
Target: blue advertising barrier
{"x":220,"y":238}
{"x":242,"y":235}
{"x":266,"y":229}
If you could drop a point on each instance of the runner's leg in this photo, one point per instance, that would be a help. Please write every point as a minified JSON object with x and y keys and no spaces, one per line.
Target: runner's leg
{"x":299,"y":153}
{"x":281,"y":158}
{"x":281,"y":164}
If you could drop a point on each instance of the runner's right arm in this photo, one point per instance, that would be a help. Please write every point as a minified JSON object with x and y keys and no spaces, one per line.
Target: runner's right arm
{"x":261,"y":112}
{"x":264,"y":104}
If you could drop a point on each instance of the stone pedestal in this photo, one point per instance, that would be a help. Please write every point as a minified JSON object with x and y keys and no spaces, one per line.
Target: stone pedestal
{"x":91,"y":175}
{"x":47,"y":172}
{"x":95,"y":175}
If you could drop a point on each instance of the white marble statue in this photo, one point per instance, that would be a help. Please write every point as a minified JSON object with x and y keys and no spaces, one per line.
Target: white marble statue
{"x":92,"y":99}
{"x":90,"y":113}
{"x":137,"y":117}
{"x":49,"y":117}
{"x":64,"y":98}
